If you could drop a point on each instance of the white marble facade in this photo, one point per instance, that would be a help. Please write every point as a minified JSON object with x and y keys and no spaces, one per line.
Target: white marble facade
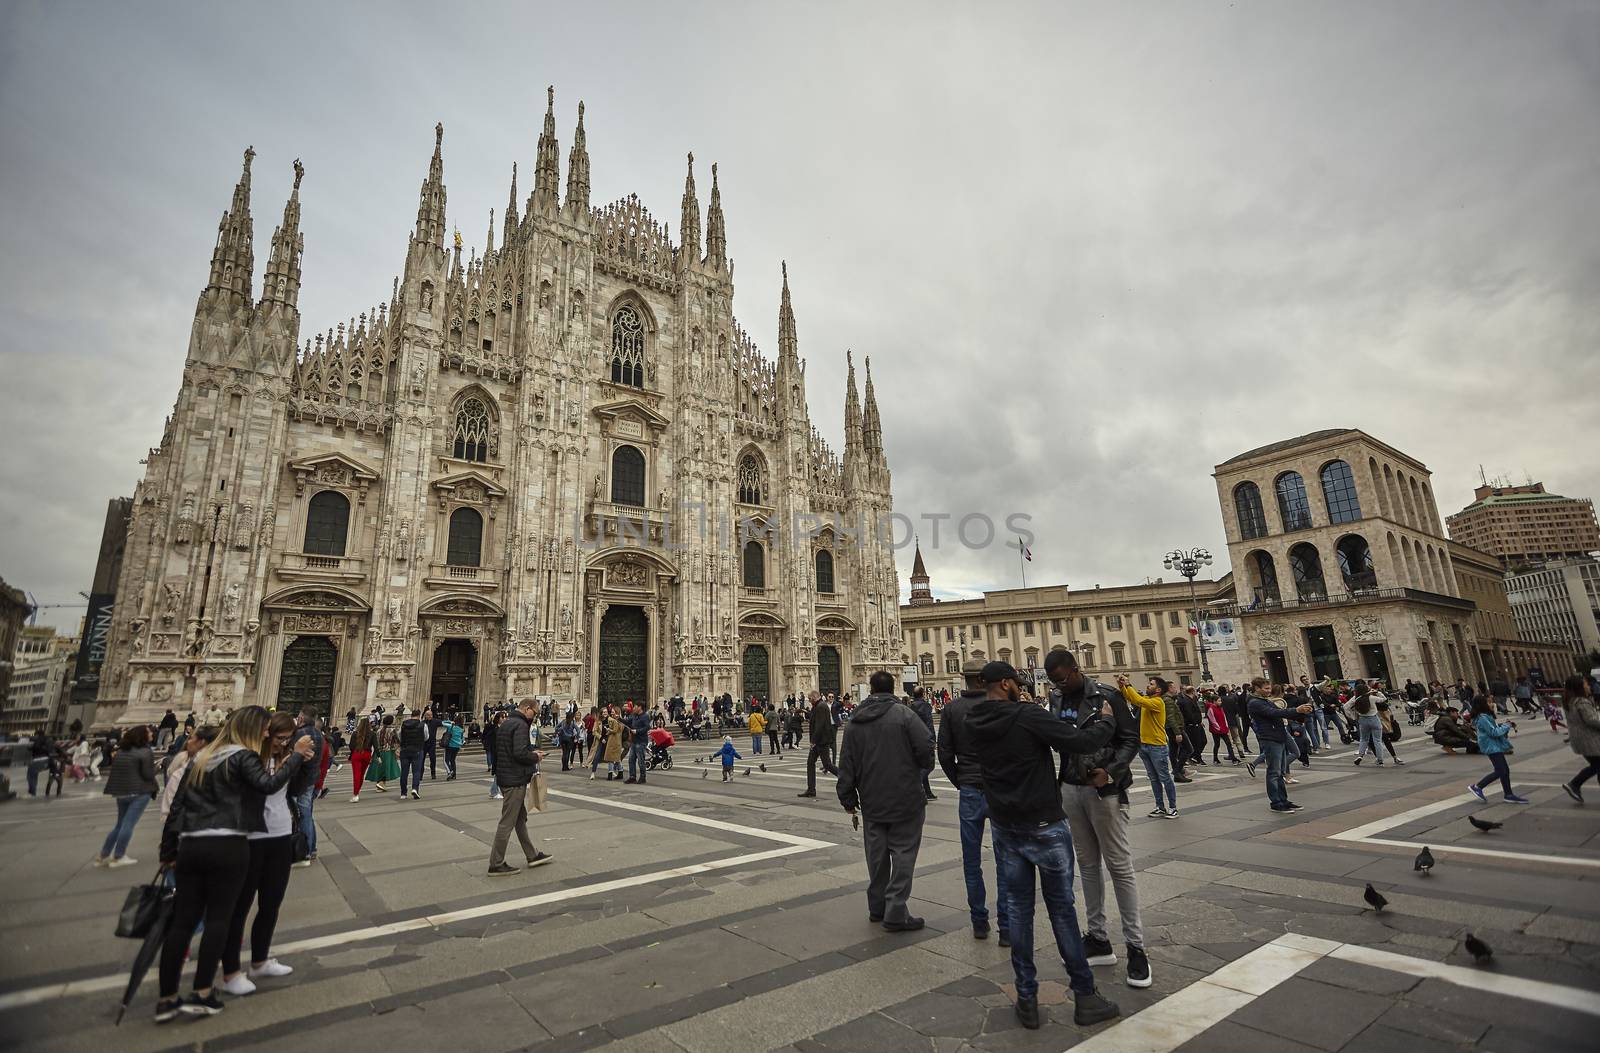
{"x":514,"y":468}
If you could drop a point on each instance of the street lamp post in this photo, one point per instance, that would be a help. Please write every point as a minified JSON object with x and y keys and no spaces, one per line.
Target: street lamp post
{"x":1188,"y":563}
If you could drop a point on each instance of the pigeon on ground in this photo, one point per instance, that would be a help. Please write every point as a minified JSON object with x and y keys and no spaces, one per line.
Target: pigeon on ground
{"x":705,"y":775}
{"x":697,"y":760}
{"x":747,"y":771}
{"x":763,"y":769}
{"x":1484,"y":825}
{"x":1424,"y":861}
{"x":1374,"y":899}
{"x":1480,"y":951}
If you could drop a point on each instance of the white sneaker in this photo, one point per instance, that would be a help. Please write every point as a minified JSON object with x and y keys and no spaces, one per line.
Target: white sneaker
{"x":271,"y":967}
{"x":355,"y":798}
{"x":101,"y":861}
{"x":239,"y":985}
{"x":122,"y":861}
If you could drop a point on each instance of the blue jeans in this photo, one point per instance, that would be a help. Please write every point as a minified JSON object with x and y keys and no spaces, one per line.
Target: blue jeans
{"x":303,"y":806}
{"x":411,"y":767}
{"x":1371,"y":730}
{"x":755,"y":743}
{"x":973,"y":810}
{"x":1158,"y":765}
{"x":1048,"y":850}
{"x":129,"y":809}
{"x":35,"y":766}
{"x":1278,"y":755}
{"x":1316,"y":734}
{"x":636,"y":760}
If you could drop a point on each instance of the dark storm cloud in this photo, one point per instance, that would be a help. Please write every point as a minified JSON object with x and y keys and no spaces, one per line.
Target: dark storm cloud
{"x":1148,"y":237}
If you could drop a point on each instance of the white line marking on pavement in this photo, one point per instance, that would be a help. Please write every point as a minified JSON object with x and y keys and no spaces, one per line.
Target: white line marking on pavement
{"x":793,"y":845}
{"x":1181,"y":1016}
{"x":1365,"y":835}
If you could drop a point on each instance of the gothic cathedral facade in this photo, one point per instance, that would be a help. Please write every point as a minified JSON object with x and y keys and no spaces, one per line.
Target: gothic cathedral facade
{"x":559,"y":468}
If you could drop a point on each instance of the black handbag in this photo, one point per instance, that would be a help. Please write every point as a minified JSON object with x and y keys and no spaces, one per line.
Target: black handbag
{"x":299,"y":848}
{"x":141,"y":908}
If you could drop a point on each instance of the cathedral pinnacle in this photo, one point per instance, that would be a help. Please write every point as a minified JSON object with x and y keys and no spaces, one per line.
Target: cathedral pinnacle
{"x":233,"y":258}
{"x":488,"y":239}
{"x":716,"y":234}
{"x":431,"y":201}
{"x":578,"y":171}
{"x":511,"y":207}
{"x":872,"y":428}
{"x":689,"y":221}
{"x":788,"y":339}
{"x":282,"y":283}
{"x":547,"y":167}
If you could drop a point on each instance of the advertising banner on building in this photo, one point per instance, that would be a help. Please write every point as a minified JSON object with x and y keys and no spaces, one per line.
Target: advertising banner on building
{"x":92,"y":651}
{"x":1220,"y":634}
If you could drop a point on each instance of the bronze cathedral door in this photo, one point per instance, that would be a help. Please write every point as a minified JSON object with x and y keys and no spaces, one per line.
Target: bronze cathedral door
{"x":624,"y":656}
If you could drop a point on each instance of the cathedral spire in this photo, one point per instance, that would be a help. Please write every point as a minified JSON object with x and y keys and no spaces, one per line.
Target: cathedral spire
{"x":282,"y":285}
{"x":430,"y":204}
{"x":852,"y":410}
{"x":578,"y":170}
{"x":788,"y":339}
{"x":233,"y":258}
{"x":547,"y":169}
{"x":488,"y":239}
{"x":872,"y":438}
{"x":920,"y":592}
{"x":716,"y":235}
{"x":511,"y":207}
{"x":689,"y":222}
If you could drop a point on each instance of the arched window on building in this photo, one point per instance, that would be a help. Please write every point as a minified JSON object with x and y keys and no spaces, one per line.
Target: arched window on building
{"x":327,"y":523}
{"x":472,"y":431}
{"x":1265,"y":587}
{"x":627,"y":347}
{"x":751,"y":483}
{"x":1306,"y":567}
{"x":1293,"y":508}
{"x":755,"y":565}
{"x":1247,"y":504}
{"x":627,"y":477}
{"x":466,"y":538}
{"x":1339,"y":491}
{"x":1355,"y":563}
{"x":824,"y":571}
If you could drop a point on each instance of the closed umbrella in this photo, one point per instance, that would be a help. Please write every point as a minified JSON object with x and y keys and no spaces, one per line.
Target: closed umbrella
{"x":148,"y":948}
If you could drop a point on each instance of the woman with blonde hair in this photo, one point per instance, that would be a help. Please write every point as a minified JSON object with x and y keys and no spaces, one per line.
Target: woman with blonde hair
{"x":268,"y":877}
{"x":221,"y":801}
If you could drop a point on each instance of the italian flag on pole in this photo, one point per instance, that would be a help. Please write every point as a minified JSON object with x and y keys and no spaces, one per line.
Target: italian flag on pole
{"x":1194,"y":630}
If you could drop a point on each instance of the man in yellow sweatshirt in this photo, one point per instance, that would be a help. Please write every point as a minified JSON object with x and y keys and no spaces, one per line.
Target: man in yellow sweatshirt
{"x":1153,"y":744}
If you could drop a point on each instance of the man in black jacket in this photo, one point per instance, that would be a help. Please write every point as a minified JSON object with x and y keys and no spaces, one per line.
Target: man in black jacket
{"x":924,"y":711}
{"x":1016,"y":743}
{"x":959,"y":761}
{"x":1269,"y":719}
{"x":881,"y":763}
{"x":1094,"y":794}
{"x":303,"y":790}
{"x":413,"y":742}
{"x":821,"y":738}
{"x":516,"y":762}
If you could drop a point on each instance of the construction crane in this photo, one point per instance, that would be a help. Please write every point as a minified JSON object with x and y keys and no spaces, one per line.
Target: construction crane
{"x":33,"y":616}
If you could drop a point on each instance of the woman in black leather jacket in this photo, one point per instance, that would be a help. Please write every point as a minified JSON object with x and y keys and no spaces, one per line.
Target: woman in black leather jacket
{"x":221,"y":800}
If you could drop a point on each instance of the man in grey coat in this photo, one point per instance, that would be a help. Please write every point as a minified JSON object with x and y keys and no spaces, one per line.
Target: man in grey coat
{"x":886,"y":752}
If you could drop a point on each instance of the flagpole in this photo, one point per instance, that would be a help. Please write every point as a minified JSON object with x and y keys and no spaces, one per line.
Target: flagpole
{"x":1022,"y":563}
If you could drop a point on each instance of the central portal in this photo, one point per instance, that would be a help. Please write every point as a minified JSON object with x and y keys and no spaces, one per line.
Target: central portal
{"x":757,"y":681}
{"x":624,"y":656}
{"x":455,"y":668}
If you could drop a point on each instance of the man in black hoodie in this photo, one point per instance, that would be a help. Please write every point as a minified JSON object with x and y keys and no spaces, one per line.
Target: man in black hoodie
{"x":960,"y":763}
{"x":885,"y":753}
{"x":1016,"y":744}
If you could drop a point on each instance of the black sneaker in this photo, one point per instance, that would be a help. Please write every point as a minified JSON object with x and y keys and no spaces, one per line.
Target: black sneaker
{"x":980,"y":930}
{"x":1005,"y":938}
{"x":1028,"y":1013}
{"x":1093,"y":1008}
{"x":194,"y":1005}
{"x":910,"y":924}
{"x":503,"y":869}
{"x":629,"y":781}
{"x":168,"y":1009}
{"x":540,"y":859}
{"x":1573,"y":792}
{"x":806,"y":793}
{"x":1138,"y":968}
{"x":1250,"y":766}
{"x":1097,"y":951}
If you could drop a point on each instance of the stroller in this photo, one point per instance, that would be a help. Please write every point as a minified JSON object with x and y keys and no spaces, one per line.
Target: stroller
{"x":660,"y":755}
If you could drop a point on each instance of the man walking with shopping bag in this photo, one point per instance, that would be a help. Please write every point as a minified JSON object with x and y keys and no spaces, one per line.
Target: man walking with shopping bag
{"x":516,"y":771}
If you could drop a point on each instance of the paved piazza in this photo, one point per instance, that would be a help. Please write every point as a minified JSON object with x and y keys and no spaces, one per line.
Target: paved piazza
{"x":693,"y":915}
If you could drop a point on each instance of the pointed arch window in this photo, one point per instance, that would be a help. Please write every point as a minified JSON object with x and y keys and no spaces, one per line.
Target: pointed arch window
{"x":627,"y":347}
{"x":824,"y":571}
{"x":627,"y":477}
{"x":751,"y":484}
{"x":755,"y":565}
{"x":1306,"y":565}
{"x":1247,"y":504}
{"x":327,"y":523}
{"x":472,"y":431}
{"x":466,"y":538}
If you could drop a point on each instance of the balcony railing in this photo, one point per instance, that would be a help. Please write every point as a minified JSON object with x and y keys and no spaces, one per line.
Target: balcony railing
{"x":1341,"y":599}
{"x":451,"y":575}
{"x":304,"y":565}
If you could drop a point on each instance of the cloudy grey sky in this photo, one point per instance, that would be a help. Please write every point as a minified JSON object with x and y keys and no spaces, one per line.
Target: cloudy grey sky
{"x":1164,"y":233}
